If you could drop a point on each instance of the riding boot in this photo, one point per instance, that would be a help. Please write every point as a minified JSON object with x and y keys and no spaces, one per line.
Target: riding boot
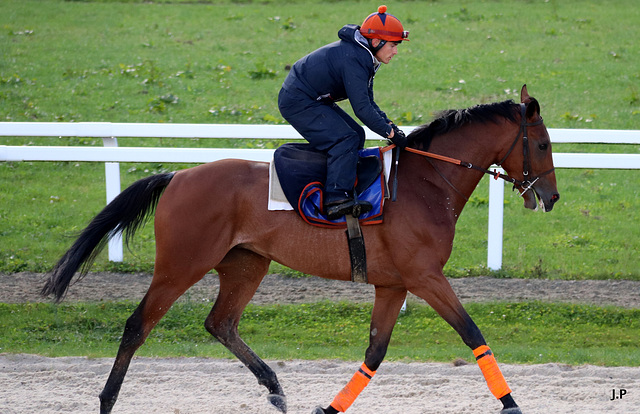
{"x":361,"y":207}
{"x":339,"y":204}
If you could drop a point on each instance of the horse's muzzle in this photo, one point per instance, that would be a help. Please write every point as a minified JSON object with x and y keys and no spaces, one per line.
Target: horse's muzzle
{"x":548,"y":204}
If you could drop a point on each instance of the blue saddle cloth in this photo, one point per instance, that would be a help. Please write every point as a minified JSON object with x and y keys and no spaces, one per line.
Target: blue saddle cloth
{"x":302,"y":172}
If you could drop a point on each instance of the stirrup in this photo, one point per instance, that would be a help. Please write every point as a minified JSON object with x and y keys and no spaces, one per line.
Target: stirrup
{"x":354,"y":207}
{"x":361,"y":207}
{"x":337,"y":210}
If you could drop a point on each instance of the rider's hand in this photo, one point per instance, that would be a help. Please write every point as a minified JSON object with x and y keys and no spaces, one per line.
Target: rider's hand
{"x":398,"y":137}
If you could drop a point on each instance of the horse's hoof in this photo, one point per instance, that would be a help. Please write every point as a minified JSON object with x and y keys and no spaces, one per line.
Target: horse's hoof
{"x":513,"y":410}
{"x":106,"y":404}
{"x":278,"y":401}
{"x":318,"y":410}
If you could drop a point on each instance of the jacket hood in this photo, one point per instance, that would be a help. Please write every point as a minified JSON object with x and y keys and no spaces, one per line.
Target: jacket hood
{"x":351,"y":33}
{"x":347,"y":33}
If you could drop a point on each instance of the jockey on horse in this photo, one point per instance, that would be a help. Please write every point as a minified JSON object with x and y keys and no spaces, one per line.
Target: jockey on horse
{"x":343,"y":70}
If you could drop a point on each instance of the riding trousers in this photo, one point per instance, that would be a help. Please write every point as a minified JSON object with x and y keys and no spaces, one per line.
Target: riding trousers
{"x":329,"y":129}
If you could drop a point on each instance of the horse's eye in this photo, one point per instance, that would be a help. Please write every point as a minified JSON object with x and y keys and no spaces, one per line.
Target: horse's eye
{"x":543,"y":147}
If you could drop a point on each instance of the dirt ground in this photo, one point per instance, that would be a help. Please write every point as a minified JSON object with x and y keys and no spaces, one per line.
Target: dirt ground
{"x":31,"y":383}
{"x":25,"y":287}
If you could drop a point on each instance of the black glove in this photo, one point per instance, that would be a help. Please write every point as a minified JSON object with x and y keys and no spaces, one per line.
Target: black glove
{"x":399,"y":138}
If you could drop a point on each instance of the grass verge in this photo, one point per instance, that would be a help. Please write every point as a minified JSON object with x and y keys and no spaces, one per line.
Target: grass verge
{"x":530,"y":332}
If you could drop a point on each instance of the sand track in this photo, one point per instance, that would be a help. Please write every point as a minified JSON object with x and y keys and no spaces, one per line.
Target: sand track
{"x":35,"y":384}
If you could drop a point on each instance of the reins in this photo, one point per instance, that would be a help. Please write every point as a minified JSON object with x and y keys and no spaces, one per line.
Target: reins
{"x":526,"y":184}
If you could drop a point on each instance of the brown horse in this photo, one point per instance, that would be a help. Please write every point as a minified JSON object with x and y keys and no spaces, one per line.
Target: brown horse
{"x":214,"y":216}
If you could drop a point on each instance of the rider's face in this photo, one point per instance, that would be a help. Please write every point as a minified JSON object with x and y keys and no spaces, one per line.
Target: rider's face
{"x":387,"y":52}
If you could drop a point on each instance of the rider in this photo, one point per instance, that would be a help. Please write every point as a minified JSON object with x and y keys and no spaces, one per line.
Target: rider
{"x":343,"y":70}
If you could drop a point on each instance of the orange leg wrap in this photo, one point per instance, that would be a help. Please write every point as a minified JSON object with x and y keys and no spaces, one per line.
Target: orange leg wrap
{"x":489,"y":367}
{"x":350,"y":392}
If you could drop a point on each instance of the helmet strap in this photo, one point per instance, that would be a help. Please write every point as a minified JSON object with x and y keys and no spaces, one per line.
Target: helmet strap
{"x":376,"y":48}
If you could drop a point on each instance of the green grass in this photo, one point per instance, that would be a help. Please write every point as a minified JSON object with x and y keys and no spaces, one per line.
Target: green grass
{"x":530,"y":332}
{"x":224,"y":61}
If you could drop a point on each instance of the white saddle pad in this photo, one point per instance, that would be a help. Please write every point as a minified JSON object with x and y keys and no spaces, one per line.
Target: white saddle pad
{"x":277,"y":199}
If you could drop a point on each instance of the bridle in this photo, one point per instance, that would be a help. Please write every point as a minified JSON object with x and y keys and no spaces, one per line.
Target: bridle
{"x":525,"y":184}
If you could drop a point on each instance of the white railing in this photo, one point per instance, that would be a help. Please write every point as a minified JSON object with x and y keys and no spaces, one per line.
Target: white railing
{"x":111,"y":154}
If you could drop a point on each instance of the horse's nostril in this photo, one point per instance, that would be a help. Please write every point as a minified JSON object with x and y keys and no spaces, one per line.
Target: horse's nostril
{"x":555,"y":198}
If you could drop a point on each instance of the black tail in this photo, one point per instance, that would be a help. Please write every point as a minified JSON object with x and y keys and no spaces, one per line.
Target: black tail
{"x":126,"y":213}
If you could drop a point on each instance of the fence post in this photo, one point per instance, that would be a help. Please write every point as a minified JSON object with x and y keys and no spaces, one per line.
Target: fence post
{"x":112,"y":177}
{"x":496,"y":216}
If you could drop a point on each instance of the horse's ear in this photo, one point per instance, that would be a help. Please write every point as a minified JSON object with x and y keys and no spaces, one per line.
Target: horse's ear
{"x":524,"y":95}
{"x":533,"y":108}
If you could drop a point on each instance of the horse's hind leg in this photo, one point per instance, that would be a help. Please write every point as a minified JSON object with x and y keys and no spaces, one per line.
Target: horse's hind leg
{"x":439,"y":294}
{"x":240,"y":273}
{"x":162,"y":293}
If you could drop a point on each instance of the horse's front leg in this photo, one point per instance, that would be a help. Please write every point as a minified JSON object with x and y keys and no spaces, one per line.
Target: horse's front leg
{"x":439,"y":294}
{"x":386,"y":308}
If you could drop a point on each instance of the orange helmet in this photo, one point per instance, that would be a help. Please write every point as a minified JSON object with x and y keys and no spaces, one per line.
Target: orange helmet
{"x":383,"y":26}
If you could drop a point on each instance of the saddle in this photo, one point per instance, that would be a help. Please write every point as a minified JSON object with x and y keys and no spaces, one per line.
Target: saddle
{"x":302,"y":172}
{"x":299,"y":172}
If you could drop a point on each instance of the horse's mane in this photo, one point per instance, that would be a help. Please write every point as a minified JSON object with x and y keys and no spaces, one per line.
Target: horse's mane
{"x":451,"y":119}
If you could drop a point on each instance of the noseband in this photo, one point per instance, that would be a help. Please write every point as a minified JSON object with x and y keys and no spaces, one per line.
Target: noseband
{"x":527,"y":182}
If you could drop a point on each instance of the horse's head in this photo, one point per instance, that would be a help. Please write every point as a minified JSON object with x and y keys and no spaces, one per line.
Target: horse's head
{"x":530,"y":157}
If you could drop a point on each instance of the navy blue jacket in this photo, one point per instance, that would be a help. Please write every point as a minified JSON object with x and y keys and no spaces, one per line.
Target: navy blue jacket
{"x":341,"y":70}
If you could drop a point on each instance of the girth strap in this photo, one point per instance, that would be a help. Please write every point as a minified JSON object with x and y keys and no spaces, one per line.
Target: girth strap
{"x":357,"y":251}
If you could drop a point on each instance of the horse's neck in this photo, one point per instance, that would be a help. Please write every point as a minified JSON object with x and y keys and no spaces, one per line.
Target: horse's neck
{"x":478,"y":145}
